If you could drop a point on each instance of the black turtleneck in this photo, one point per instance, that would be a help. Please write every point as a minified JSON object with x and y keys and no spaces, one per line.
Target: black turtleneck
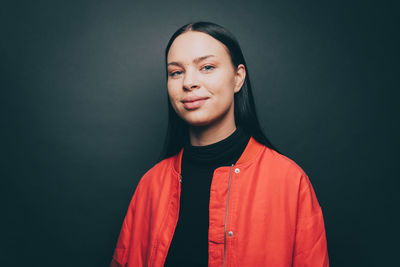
{"x":189,"y":246}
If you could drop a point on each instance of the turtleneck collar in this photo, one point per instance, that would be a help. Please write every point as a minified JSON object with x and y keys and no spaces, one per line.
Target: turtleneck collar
{"x":221,"y":153}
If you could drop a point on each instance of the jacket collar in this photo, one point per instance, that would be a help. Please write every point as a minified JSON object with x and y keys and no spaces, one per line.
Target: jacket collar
{"x":251,"y":150}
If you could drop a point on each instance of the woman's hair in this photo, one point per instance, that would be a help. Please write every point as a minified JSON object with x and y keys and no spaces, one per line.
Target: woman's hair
{"x":244,"y":108}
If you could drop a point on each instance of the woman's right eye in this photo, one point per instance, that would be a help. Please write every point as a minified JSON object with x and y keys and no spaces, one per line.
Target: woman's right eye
{"x":175,"y":73}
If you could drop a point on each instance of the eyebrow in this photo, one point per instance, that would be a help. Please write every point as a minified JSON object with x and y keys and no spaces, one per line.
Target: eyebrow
{"x":196,"y":60}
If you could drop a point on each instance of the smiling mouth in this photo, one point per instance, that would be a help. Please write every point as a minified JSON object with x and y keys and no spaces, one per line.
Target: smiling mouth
{"x":194,"y":104}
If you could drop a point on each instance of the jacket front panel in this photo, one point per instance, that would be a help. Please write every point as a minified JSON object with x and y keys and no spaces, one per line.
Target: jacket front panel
{"x":274,"y":216}
{"x":151,"y":218}
{"x":262,"y":212}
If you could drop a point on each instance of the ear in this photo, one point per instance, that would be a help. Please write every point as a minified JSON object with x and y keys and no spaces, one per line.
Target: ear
{"x":240,"y":76}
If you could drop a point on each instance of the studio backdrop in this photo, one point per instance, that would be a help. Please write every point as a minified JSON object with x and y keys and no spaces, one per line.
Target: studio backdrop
{"x":84,"y":116}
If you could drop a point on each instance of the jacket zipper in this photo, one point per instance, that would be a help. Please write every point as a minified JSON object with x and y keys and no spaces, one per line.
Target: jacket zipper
{"x":226,"y":212}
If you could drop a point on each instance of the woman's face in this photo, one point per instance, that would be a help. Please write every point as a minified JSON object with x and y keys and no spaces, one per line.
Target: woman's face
{"x":202,"y":80}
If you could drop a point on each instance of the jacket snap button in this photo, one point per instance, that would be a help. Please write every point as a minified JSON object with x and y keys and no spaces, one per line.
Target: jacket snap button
{"x":237,"y":170}
{"x":230,"y":233}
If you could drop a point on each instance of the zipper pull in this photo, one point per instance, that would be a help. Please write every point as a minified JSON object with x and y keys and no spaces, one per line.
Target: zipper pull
{"x":180,"y":178}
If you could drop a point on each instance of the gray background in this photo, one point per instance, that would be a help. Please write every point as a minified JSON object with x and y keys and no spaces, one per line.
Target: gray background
{"x":83,"y":115}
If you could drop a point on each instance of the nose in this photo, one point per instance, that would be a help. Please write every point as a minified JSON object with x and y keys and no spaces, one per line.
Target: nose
{"x":190,"y":80}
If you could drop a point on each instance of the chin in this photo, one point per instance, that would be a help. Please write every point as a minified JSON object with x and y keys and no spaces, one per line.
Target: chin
{"x":197,"y":122}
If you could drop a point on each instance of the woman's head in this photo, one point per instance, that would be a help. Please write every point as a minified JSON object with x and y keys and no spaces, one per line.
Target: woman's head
{"x":204,"y":62}
{"x":202,"y":81}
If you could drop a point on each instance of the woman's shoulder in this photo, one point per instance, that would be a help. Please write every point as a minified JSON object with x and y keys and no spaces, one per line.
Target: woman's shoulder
{"x":281,"y":164}
{"x":158,"y":173}
{"x":283,"y":170}
{"x":269,"y":161}
{"x":161,"y":166}
{"x":287,"y":161}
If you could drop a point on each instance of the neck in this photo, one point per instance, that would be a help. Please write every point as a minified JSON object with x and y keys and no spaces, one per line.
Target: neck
{"x":207,"y":135}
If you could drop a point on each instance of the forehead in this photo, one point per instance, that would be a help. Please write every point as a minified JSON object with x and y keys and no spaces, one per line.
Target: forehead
{"x":192,"y":44}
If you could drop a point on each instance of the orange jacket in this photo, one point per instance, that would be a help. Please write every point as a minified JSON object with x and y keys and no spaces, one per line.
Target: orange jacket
{"x":263,"y":212}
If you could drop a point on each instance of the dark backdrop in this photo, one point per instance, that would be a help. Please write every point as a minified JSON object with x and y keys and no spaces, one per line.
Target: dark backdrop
{"x":83,"y":105}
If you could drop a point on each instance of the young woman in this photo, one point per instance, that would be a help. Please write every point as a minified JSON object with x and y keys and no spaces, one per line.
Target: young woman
{"x":221,"y":195}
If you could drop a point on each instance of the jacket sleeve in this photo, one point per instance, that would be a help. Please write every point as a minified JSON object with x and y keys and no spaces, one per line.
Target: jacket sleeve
{"x":121,"y":251}
{"x":310,"y":248}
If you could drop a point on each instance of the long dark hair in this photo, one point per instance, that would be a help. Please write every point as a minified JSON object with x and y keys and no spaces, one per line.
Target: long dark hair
{"x":244,"y":108}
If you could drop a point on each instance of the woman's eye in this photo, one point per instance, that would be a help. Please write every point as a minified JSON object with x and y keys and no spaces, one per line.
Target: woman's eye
{"x":175,"y":73}
{"x":207,"y":67}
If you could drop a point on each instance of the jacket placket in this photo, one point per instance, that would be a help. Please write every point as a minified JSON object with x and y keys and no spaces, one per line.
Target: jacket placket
{"x":220,"y":209}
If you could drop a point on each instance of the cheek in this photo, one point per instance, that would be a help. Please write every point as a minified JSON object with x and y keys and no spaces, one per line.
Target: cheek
{"x":172,"y":92}
{"x":173,"y":98}
{"x":223,"y":82}
{"x":223,"y":87}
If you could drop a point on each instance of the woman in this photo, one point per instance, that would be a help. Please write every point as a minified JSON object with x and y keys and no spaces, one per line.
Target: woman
{"x":221,"y":195}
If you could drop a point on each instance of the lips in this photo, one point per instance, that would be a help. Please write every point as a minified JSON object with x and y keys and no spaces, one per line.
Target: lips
{"x":193,"y":102}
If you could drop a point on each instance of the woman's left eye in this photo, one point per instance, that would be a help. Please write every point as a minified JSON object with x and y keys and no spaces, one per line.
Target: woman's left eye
{"x":207,"y":67}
